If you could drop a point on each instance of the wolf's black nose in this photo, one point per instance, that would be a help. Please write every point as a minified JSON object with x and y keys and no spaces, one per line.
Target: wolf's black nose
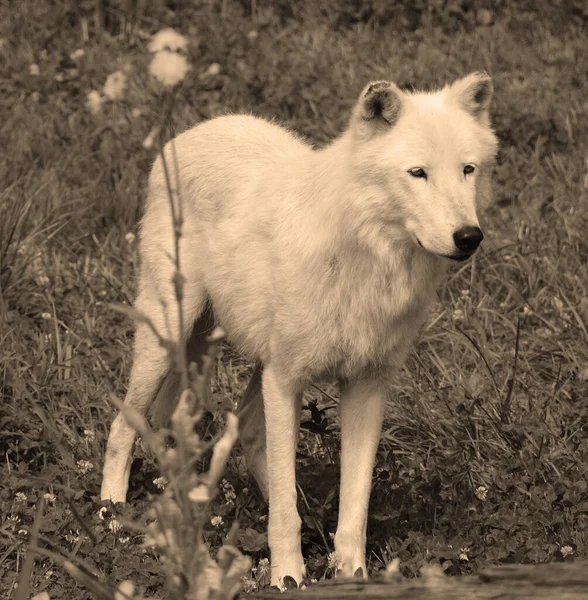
{"x":468,"y":239}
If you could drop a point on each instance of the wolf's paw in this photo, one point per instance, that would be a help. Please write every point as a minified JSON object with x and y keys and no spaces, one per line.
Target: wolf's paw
{"x":350,"y":570}
{"x":290,"y":577}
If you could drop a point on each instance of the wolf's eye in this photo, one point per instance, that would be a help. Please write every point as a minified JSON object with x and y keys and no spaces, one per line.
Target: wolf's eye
{"x":468,"y":169}
{"x":418,"y":172}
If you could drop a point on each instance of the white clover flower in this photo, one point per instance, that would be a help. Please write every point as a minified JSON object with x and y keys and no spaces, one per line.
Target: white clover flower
{"x":49,"y":498}
{"x":566,"y":550}
{"x":332,"y":560}
{"x":84,"y":466}
{"x":114,"y":525}
{"x":20,"y":497}
{"x":115,"y":85}
{"x":168,"y":39}
{"x":228,"y":490}
{"x":216,"y":521}
{"x":160,"y":482}
{"x":263,"y":566}
{"x":72,"y":537}
{"x":94,"y":101}
{"x":169,"y":68}
{"x":90,"y":435}
{"x":481,"y":492}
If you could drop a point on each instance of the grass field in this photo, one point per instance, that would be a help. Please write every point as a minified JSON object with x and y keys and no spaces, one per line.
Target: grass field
{"x":484,"y":457}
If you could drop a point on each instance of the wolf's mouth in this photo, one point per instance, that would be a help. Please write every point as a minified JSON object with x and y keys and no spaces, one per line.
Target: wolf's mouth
{"x":458,"y":256}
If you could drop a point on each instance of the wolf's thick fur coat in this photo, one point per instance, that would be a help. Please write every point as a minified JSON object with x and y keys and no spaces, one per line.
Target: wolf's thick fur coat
{"x":317,"y":264}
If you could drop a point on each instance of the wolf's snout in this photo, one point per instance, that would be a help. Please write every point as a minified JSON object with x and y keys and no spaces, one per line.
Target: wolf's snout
{"x":468,"y":239}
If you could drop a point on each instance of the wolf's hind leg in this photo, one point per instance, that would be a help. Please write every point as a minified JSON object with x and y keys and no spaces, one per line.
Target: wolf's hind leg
{"x":151,"y":363}
{"x":252,"y":430}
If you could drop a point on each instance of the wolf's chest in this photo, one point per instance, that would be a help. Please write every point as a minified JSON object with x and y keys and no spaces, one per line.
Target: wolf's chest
{"x":366,"y":320}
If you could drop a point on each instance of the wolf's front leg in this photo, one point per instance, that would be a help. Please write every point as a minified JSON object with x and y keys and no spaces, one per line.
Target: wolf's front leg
{"x":282,"y":416}
{"x":362,"y":409}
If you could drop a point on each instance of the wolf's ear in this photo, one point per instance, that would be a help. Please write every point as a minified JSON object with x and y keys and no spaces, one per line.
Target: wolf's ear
{"x":473,"y":92}
{"x":379,"y":105}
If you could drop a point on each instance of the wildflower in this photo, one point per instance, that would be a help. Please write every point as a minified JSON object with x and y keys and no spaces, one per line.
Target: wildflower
{"x":72,"y":537}
{"x":458,"y":314}
{"x":114,"y":526}
{"x":115,"y":85}
{"x":332,"y":560}
{"x":89,"y":435}
{"x":124,"y":539}
{"x":566,"y":550}
{"x":34,"y":70}
{"x":160,"y":482}
{"x":263,"y":566}
{"x":42,"y":280}
{"x":216,"y":521}
{"x":169,"y":68}
{"x":463,"y":554}
{"x":94,"y":102}
{"x":13,"y":520}
{"x":20,"y":497}
{"x":130,"y":237}
{"x":46,"y":316}
{"x":228,"y":490}
{"x":49,"y":498}
{"x":168,"y":40}
{"x":481,"y":492}
{"x":84,"y":466}
{"x":249,"y":585}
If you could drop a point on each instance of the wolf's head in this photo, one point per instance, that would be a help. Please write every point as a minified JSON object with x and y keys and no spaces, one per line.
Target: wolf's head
{"x":431,"y":155}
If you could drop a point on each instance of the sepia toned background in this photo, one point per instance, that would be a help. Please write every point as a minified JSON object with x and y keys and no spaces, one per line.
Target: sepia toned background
{"x":484,"y":457}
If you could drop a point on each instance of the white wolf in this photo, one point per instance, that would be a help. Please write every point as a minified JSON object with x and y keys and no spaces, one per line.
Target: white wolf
{"x":317,"y":264}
